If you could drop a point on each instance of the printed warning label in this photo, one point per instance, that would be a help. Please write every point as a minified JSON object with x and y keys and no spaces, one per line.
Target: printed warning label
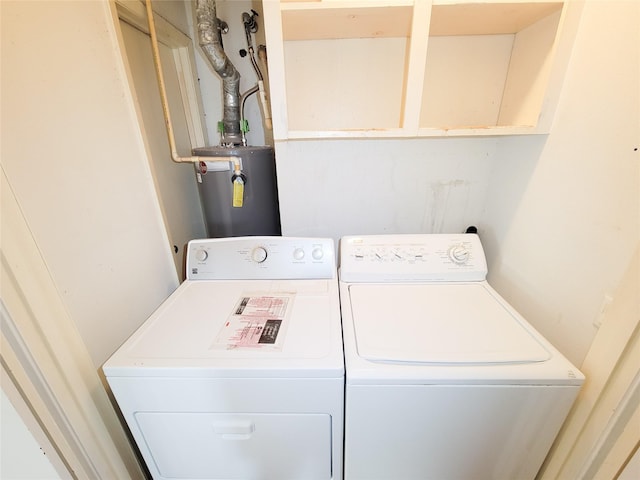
{"x":257,"y":321}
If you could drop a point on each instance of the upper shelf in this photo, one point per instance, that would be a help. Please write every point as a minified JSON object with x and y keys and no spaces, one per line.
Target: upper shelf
{"x":411,"y":68}
{"x":333,"y":19}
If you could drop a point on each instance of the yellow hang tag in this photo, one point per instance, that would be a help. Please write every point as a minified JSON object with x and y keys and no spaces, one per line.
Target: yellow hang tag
{"x":238,"y":192}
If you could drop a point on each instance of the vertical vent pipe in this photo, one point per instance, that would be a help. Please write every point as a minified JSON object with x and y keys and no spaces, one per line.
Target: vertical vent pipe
{"x":210,"y":41}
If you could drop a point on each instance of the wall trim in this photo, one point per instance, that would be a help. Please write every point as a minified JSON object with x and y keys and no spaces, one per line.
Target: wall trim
{"x":608,"y":400}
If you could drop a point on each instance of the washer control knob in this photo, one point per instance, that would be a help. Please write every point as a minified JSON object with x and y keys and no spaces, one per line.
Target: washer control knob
{"x":298,"y":254}
{"x":201,"y":255}
{"x":317,"y":253}
{"x":459,"y":254}
{"x":259,"y":254}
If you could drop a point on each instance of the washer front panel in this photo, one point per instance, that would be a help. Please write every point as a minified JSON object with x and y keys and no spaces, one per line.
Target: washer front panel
{"x":439,"y":323}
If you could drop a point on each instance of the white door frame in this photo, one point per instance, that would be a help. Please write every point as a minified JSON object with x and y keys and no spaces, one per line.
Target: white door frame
{"x":602,"y":432}
{"x":134,"y":13}
{"x":46,"y":361}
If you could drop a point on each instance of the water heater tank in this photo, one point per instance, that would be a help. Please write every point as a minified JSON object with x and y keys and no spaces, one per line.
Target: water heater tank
{"x":260,"y":212}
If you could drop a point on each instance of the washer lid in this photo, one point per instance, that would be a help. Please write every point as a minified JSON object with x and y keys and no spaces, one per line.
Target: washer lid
{"x":440,"y":323}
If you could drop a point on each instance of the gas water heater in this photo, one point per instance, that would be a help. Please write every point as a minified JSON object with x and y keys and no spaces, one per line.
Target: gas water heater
{"x":259,"y":213}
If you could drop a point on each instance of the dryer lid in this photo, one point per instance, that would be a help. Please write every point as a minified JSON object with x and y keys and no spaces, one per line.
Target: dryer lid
{"x":463,"y":323}
{"x":189,"y":334}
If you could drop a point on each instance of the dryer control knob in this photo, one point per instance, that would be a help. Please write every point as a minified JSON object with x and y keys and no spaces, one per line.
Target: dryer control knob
{"x":201,"y":255}
{"x":298,"y":254}
{"x":459,"y":254}
{"x":317,"y":253}
{"x":259,"y":254}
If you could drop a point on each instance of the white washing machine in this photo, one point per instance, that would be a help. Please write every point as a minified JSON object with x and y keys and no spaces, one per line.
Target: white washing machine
{"x":239,"y":374}
{"x":444,"y":380}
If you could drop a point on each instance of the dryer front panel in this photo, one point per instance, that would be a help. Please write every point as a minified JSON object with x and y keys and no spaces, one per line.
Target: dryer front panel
{"x":209,"y":445}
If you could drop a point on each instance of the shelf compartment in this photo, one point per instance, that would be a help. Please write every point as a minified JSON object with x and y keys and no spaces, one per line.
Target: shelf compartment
{"x":345,"y":66}
{"x":488,"y":64}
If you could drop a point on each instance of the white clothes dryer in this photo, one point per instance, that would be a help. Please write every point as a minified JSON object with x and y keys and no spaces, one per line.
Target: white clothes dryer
{"x":444,"y":380}
{"x":239,"y":374}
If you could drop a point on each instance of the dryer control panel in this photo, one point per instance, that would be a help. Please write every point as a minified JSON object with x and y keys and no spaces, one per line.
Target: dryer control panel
{"x":260,"y":258}
{"x":412,"y":258}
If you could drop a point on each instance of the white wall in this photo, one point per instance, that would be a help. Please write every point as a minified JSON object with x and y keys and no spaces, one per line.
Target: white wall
{"x":73,"y":154}
{"x":563,"y":212}
{"x":558,"y":214}
{"x":352,"y":187}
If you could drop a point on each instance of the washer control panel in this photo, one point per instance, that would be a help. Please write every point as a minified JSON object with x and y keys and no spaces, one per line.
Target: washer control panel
{"x":418,"y":257}
{"x":249,"y":258}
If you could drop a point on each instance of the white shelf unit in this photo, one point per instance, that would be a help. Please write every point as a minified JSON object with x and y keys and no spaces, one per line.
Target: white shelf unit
{"x":412,"y":68}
